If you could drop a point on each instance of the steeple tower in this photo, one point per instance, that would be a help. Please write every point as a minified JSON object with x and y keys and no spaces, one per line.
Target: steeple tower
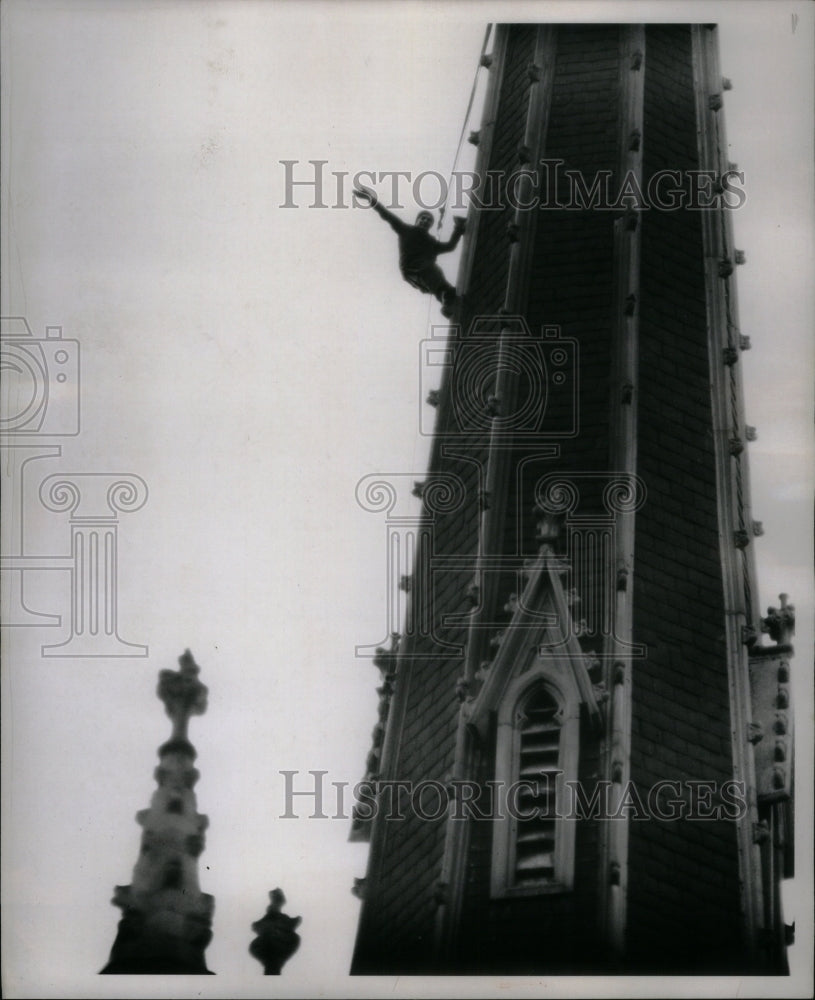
{"x":581,"y":674}
{"x":166,"y":919}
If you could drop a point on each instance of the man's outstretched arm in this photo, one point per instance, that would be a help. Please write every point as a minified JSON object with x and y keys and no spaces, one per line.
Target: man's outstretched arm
{"x":367,"y":195}
{"x":459,"y":225}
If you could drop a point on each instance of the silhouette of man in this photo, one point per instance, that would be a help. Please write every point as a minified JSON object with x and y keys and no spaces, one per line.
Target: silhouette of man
{"x":418,"y":251}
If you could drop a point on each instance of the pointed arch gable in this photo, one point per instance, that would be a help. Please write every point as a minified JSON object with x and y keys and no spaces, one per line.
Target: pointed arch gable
{"x":542,"y":619}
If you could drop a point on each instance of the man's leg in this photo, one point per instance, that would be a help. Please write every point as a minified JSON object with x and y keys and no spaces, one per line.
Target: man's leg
{"x":431,"y":279}
{"x":440,"y":287}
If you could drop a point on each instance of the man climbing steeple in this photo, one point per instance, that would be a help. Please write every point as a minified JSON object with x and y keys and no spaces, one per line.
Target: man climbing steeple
{"x":418,"y":251}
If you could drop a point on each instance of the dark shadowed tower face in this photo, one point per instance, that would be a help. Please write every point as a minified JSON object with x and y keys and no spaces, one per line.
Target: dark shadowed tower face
{"x":579,"y":681}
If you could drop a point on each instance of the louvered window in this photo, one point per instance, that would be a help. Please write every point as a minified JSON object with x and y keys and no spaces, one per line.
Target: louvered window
{"x":536,"y":752}
{"x":539,"y":752}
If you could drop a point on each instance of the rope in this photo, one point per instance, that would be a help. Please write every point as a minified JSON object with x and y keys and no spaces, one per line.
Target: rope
{"x":464,"y":124}
{"x":430,"y":301}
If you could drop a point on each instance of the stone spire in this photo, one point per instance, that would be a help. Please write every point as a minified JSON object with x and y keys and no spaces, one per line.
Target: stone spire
{"x":166,"y":919}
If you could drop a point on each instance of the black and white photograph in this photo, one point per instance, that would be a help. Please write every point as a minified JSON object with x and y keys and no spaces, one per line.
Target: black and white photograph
{"x":407,"y":479}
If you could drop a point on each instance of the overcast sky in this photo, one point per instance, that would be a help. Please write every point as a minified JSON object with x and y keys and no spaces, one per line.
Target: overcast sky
{"x":251,"y":364}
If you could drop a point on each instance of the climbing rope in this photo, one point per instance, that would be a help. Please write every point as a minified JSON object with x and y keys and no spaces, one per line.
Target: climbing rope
{"x":464,"y":124}
{"x":482,"y":62}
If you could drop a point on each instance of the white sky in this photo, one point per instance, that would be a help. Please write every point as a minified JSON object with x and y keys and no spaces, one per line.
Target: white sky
{"x":251,"y":364}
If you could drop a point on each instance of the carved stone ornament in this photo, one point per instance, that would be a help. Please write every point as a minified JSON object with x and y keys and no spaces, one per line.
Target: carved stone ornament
{"x":276,"y":939}
{"x":755,"y":733}
{"x":780,"y":622}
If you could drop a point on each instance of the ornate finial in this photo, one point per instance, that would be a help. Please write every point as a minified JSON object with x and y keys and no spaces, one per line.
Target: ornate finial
{"x":276,"y":939}
{"x":780,"y":622}
{"x":182,"y":693}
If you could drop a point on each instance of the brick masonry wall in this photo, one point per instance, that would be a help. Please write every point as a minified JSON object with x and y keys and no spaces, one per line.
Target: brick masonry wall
{"x":683,"y":904}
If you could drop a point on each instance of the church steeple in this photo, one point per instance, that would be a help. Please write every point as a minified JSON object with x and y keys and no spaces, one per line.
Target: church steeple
{"x":580,"y":690}
{"x":166,"y":919}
